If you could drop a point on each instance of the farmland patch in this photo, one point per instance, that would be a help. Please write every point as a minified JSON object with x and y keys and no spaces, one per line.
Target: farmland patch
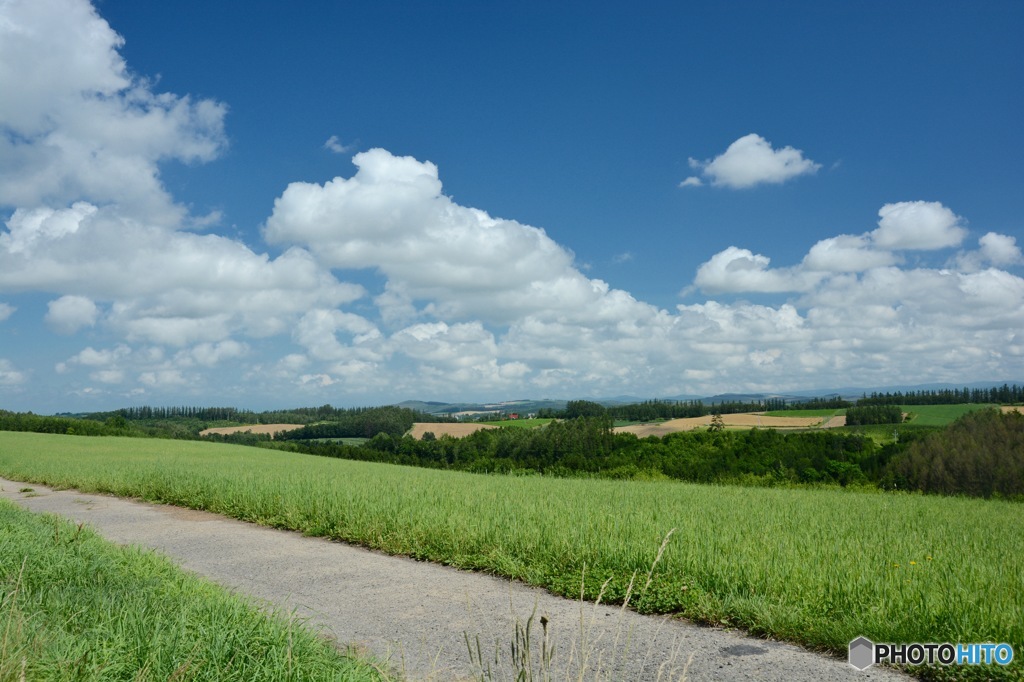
{"x":748,"y":420}
{"x":251,"y":428}
{"x":458,"y":430}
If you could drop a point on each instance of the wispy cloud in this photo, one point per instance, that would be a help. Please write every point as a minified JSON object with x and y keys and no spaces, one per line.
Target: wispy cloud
{"x":333,"y":144}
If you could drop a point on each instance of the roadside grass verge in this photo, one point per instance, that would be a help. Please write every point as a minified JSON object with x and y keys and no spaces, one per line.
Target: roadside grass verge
{"x":74,"y":606}
{"x":819,"y":567}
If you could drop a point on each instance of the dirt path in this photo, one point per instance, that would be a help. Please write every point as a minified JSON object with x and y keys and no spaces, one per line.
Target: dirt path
{"x":415,"y":614}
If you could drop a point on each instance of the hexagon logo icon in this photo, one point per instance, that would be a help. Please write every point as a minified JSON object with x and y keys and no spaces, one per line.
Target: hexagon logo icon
{"x":862,"y":653}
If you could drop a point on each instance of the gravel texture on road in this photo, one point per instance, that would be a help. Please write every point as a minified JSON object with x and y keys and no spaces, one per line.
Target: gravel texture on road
{"x":417,"y":615}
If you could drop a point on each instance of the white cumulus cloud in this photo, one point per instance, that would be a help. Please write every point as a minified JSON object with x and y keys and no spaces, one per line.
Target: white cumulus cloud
{"x":392,"y":216}
{"x":847,"y":253}
{"x":68,"y":314}
{"x":920,"y":225}
{"x":736,"y":269}
{"x":78,"y":125}
{"x":1000,"y":249}
{"x":751,"y":161}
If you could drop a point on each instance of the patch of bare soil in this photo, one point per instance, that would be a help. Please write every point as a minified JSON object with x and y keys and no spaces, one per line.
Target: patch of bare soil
{"x":252,"y":428}
{"x":454,"y":429}
{"x":747,"y":420}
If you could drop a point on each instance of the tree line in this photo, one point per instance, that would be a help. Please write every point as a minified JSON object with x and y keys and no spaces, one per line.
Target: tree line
{"x":862,"y":415}
{"x":146,"y":412}
{"x":653,"y":410}
{"x":1003,"y":395}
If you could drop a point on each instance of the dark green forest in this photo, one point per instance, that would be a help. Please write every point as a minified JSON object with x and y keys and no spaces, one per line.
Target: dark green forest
{"x":981,"y":455}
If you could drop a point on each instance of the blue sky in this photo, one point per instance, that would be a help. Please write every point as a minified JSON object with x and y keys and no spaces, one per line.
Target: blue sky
{"x":266,"y":205}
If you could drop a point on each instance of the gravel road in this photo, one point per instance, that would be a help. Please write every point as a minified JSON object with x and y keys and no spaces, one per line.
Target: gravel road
{"x":417,"y":614}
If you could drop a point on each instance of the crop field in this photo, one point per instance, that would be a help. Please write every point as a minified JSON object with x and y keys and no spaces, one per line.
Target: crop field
{"x":938,"y":415}
{"x":743,"y":420}
{"x":251,"y":428}
{"x":76,"y":607}
{"x":819,"y":567}
{"x":805,"y":413}
{"x":458,"y":430}
{"x":519,"y":423}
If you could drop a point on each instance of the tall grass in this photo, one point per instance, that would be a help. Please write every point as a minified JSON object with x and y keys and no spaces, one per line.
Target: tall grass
{"x":73,"y":606}
{"x":819,"y":567}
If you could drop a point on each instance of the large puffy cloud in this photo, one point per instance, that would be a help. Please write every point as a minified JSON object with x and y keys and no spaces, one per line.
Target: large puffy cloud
{"x":736,"y":269}
{"x":166,"y":286}
{"x":862,"y":316}
{"x":68,"y":314}
{"x":751,"y":161}
{"x":318,"y":332}
{"x":999,"y":250}
{"x":91,"y":224}
{"x":918,"y":225}
{"x":75,"y":124}
{"x":846,"y":253}
{"x":392,"y":216}
{"x":909,"y":225}
{"x":80,"y":143}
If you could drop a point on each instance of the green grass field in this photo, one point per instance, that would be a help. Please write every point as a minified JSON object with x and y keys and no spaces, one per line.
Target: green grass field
{"x":819,"y":567}
{"x":76,"y":607}
{"x":519,"y":423}
{"x":938,"y":415}
{"x":805,"y":413}
{"x":919,"y":415}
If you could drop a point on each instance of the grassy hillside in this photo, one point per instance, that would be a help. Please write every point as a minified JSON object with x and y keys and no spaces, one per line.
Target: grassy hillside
{"x":819,"y":567}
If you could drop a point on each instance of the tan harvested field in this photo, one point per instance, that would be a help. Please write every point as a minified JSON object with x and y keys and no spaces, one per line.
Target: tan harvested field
{"x":1013,"y":408}
{"x":746,"y":420}
{"x":456,"y":430}
{"x":252,"y":428}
